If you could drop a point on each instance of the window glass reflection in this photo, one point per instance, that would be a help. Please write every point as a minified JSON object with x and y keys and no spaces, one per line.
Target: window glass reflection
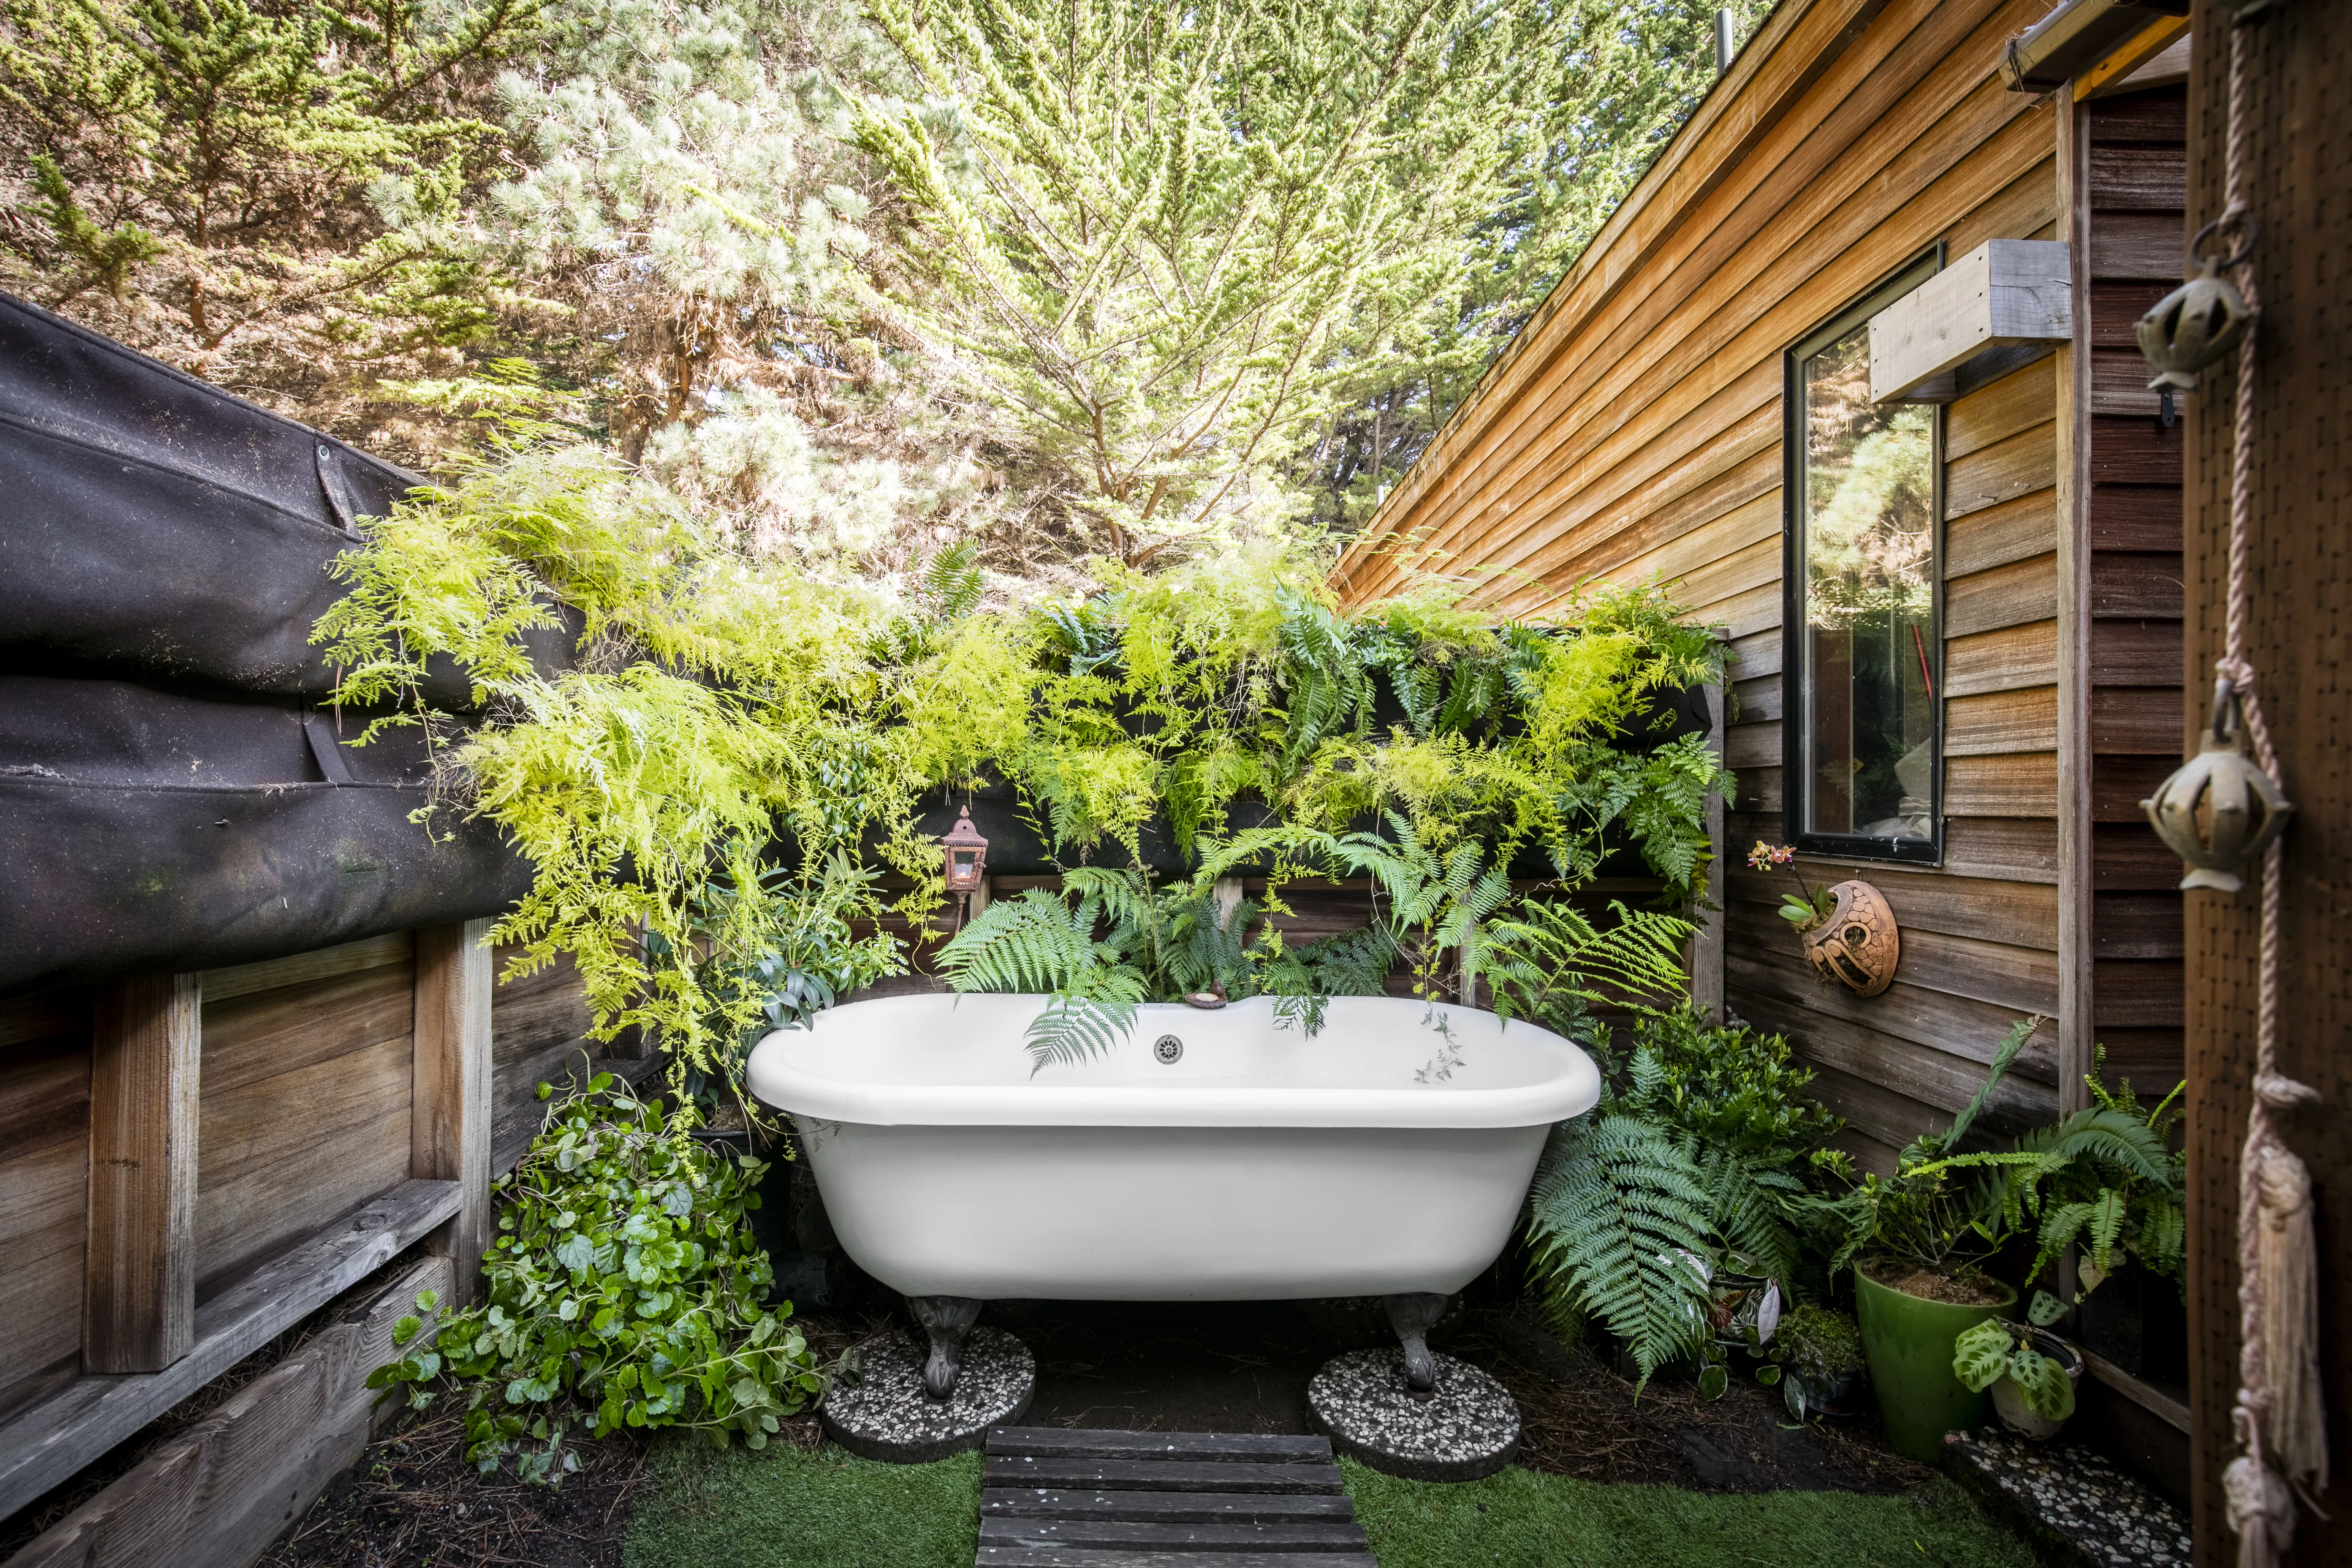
{"x":1870,"y":644}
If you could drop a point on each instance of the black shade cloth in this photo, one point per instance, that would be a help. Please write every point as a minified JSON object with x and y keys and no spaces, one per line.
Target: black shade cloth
{"x":142,"y":830}
{"x":158,"y":527}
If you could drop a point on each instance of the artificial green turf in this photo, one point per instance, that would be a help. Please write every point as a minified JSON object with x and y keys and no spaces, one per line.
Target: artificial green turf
{"x":786,"y":1507}
{"x":1523,"y":1520}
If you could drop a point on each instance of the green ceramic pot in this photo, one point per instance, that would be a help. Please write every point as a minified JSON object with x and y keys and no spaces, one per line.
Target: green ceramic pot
{"x":1907,"y":1341}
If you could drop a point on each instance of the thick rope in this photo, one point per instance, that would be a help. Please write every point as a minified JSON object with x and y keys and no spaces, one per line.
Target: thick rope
{"x":2261,"y":1507}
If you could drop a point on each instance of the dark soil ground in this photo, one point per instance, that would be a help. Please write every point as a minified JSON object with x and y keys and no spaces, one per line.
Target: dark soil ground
{"x":415,"y":1501}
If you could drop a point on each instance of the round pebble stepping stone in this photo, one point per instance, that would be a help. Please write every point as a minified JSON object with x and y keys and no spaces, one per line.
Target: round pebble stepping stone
{"x":886,"y":1414}
{"x":1465,"y":1427}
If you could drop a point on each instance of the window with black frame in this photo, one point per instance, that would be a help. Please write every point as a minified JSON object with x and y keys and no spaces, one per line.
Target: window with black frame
{"x":1864,"y":728}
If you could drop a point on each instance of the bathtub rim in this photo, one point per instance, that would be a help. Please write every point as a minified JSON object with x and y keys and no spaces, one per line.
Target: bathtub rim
{"x":778,"y":1082}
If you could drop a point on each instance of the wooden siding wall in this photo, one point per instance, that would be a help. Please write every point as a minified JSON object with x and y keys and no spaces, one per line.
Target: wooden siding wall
{"x":1634,"y":430}
{"x":44,"y":1189}
{"x":2136,"y":189}
{"x":305,"y":1097}
{"x":305,"y":1090}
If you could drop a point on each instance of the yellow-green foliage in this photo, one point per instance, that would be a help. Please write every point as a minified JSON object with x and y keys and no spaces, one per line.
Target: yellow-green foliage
{"x":730,"y":713}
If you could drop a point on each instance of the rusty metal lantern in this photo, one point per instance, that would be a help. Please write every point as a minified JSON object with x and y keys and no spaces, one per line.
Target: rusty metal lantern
{"x":967,"y":854}
{"x":1859,"y":945}
{"x":2217,"y":810}
{"x":2196,"y":324}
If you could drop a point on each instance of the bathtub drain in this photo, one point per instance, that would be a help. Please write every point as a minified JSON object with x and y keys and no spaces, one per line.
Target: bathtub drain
{"x":1167,"y":1048}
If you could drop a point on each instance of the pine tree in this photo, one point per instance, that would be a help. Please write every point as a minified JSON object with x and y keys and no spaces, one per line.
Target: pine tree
{"x":267,"y":195}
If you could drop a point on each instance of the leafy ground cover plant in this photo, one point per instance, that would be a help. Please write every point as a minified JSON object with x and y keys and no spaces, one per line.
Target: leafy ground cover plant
{"x":622,"y":1289}
{"x":1704,"y":1148}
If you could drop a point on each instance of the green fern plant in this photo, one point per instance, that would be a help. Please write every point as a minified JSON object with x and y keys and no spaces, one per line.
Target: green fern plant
{"x":1618,"y":1222}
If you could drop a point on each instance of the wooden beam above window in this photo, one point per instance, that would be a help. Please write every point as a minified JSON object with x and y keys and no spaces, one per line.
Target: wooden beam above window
{"x":2004,"y":304}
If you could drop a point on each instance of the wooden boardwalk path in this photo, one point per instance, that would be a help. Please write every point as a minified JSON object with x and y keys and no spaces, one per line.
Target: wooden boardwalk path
{"x":1054,"y":1498}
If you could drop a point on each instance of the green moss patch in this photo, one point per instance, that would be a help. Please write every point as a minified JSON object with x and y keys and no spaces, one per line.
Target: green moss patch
{"x":1521,"y":1519}
{"x":784,"y":1507}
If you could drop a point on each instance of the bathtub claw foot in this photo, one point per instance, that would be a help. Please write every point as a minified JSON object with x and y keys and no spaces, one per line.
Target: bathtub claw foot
{"x":946,"y":1319}
{"x":1412,"y":1315}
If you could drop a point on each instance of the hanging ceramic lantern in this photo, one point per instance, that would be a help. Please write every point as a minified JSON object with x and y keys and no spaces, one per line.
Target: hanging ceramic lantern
{"x":967,"y":854}
{"x":2193,"y":326}
{"x":2217,"y":811}
{"x":1858,"y":946}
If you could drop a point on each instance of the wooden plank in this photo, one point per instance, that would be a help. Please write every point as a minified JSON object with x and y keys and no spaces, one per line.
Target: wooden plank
{"x":2150,"y":178}
{"x":50,"y":1441}
{"x":302,"y":968}
{"x":2161,"y":115}
{"x":1756,"y":701}
{"x":2129,"y":450}
{"x":1311,"y":1536}
{"x":2001,"y":661}
{"x":2138,"y":924}
{"x":2136,"y":247}
{"x":2137,"y":653}
{"x":1767,"y":965}
{"x":42,"y":1229}
{"x":1751,"y":745}
{"x":449,"y":1104}
{"x":2012,"y":596}
{"x":1162,"y":1508}
{"x":1159,"y":1475}
{"x":2007,"y":848}
{"x":2128,"y":857}
{"x":2119,"y":380}
{"x":2002,"y":293}
{"x":2119,"y":784}
{"x":218,"y":1494}
{"x":2016,"y":403}
{"x":2126,"y":586}
{"x":1760,"y":790}
{"x":2131,"y":720}
{"x":285,"y":1155}
{"x":2003,"y":471}
{"x":2135,"y":517}
{"x":2138,"y":993}
{"x":1879,"y":1119}
{"x":2023,"y":913}
{"x":2072,"y":1015}
{"x":1937,"y":1079}
{"x":261,"y":1034}
{"x":2001,"y":721}
{"x":1756,"y":653}
{"x":2116,"y":309}
{"x":140,"y":1292}
{"x":1997,"y":535}
{"x":2016,"y":979}
{"x":2019,"y":784}
{"x":1256,"y":1447}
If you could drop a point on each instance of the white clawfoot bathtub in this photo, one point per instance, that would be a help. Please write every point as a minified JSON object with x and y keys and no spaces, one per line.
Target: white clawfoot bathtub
{"x":1387,"y":1155}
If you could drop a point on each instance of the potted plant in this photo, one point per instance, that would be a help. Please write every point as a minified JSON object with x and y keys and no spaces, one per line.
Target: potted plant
{"x":2031,"y":1371}
{"x":1917,"y":1242}
{"x":1817,"y":1360}
{"x":1848,"y":930}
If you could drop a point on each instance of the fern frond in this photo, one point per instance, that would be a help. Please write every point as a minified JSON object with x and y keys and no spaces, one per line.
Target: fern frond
{"x":1033,"y":942}
{"x":1070,"y":1029}
{"x":1617,"y":1218}
{"x":2001,"y":1060}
